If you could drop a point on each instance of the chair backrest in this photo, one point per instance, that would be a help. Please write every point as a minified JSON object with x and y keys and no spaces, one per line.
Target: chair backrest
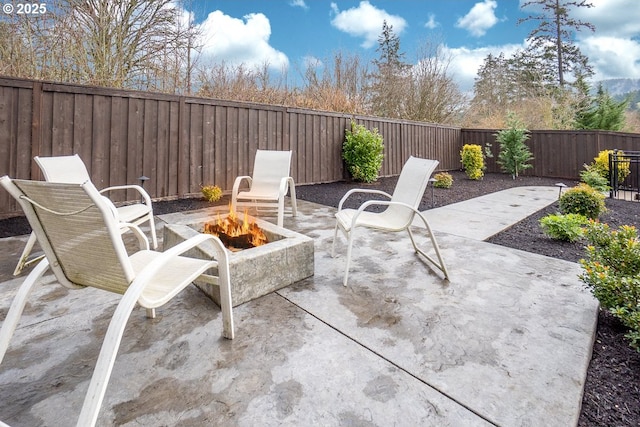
{"x":66,"y":169}
{"x":269,"y":167}
{"x":410,"y":187}
{"x":77,"y":231}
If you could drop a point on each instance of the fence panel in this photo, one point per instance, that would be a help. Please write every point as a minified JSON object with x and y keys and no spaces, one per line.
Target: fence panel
{"x":181,"y":142}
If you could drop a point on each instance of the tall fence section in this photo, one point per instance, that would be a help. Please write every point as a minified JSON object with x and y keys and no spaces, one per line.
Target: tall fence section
{"x":181,"y":143}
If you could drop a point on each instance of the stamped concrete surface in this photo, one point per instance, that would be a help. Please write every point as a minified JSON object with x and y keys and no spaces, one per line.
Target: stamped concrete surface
{"x":506,"y":341}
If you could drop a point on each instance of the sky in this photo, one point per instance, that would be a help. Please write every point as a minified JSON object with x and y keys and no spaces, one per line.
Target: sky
{"x":289,"y":34}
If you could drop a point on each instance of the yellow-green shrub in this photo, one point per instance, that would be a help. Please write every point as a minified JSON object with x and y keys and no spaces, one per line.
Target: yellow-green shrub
{"x":473,"y":161}
{"x":601,"y":165}
{"x":211,"y":193}
{"x":443,"y":180}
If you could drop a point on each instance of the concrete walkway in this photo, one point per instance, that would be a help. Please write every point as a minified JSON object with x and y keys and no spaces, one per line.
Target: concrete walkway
{"x":507,"y":341}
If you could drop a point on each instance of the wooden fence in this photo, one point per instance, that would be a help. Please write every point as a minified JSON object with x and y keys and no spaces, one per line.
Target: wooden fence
{"x":181,"y":143}
{"x":557,"y":154}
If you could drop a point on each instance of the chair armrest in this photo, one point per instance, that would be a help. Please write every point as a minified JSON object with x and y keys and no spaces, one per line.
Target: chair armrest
{"x":143,"y":193}
{"x":238,"y":181}
{"x":143,"y":243}
{"x":360,"y":190}
{"x":285,"y":183}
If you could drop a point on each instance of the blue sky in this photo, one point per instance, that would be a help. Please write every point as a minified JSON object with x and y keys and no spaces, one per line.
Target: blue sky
{"x":287,"y":34}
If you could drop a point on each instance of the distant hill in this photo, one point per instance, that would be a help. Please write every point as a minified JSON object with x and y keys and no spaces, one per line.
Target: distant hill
{"x":623,"y":88}
{"x":619,"y":86}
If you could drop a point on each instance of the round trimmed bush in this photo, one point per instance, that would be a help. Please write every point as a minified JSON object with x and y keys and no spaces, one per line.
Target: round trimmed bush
{"x":583,"y":200}
{"x":443,"y":180}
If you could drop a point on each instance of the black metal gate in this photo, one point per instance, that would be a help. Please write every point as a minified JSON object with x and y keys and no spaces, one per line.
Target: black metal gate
{"x":624,"y":175}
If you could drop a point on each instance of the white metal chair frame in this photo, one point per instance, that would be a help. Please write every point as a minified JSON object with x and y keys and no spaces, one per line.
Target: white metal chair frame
{"x":73,"y":222}
{"x":268,"y":186}
{"x":72,"y":170}
{"x":399,"y":214}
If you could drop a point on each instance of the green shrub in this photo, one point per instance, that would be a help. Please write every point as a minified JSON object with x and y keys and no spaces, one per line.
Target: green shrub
{"x":612,"y":273}
{"x":601,"y":165}
{"x":362,"y":152}
{"x":514,"y":155}
{"x":593,"y":178}
{"x":473,"y":161}
{"x":568,"y":228}
{"x":443,"y":180}
{"x":211,"y":193}
{"x":583,"y":200}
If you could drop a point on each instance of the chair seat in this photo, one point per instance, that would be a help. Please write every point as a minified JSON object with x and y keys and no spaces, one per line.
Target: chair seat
{"x":174,"y":276}
{"x":258,"y":195}
{"x":130,"y":213}
{"x":387,"y":220}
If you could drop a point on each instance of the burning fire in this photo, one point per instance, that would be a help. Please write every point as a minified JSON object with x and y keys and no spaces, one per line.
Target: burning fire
{"x":236,"y":233}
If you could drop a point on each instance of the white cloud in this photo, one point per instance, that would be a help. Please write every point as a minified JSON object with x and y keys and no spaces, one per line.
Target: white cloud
{"x":365,"y":21}
{"x":617,"y":18}
{"x":298,"y":3}
{"x":240,"y":41}
{"x":612,"y":57}
{"x":480,"y":18}
{"x":432,"y":23}
{"x":614,"y":48}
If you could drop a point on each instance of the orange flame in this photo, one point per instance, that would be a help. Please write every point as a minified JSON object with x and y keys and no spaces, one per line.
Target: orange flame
{"x":232,"y":227}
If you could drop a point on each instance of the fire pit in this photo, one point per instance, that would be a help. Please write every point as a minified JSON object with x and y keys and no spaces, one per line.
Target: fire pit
{"x":286,"y":258}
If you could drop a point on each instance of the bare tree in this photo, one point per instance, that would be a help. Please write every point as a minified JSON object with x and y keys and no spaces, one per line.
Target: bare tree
{"x":432,"y":95}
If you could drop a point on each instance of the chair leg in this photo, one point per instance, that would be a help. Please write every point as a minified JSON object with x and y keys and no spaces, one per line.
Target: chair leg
{"x":440,"y":263}
{"x":22,"y":262}
{"x":152,"y":226}
{"x":224,"y":283}
{"x":281,"y":211}
{"x":294,"y":204}
{"x":106,"y":359}
{"x":17,"y":306}
{"x":349,"y":247}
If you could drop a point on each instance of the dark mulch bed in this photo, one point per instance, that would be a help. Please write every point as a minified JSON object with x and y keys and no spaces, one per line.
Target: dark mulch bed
{"x":612,"y":390}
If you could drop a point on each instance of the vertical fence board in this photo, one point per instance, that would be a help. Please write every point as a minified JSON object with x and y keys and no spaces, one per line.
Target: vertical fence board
{"x":162,"y":149}
{"x":99,"y":165}
{"x":118,"y":148}
{"x":172,"y":150}
{"x":195,"y":148}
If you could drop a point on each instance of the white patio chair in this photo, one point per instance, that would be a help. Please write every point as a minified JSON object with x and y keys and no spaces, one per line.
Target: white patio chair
{"x":398,"y":215}
{"x":72,"y":170}
{"x":81,"y":238}
{"x":268,"y":186}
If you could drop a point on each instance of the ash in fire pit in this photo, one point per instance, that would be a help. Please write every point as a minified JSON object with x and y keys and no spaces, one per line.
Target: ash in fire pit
{"x":235,"y":234}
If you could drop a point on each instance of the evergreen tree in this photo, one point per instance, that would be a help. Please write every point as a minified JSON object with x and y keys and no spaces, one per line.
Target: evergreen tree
{"x":604,"y":113}
{"x":551,"y":42}
{"x":387,"y":84}
{"x":514,"y":154}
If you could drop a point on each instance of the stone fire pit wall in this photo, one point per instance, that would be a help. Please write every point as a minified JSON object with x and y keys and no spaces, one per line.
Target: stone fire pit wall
{"x":286,"y":259}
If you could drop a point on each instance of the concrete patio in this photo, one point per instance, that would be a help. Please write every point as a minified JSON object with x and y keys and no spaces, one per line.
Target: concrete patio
{"x":507,"y":341}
